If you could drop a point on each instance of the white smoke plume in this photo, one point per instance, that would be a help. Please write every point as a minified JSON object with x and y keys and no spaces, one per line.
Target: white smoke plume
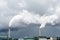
{"x":27,"y":18}
{"x":52,"y":19}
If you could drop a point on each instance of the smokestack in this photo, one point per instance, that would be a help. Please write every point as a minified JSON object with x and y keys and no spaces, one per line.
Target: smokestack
{"x":42,"y":26}
{"x":9,"y":36}
{"x":9,"y":33}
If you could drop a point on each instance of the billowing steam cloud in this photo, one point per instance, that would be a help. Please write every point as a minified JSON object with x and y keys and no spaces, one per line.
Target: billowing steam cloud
{"x":52,"y":19}
{"x":27,"y":18}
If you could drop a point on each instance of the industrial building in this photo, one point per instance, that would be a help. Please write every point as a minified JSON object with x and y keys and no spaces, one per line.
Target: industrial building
{"x":31,"y":38}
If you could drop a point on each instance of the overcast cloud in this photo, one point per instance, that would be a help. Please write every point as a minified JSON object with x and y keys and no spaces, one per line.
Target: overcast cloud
{"x":10,"y":8}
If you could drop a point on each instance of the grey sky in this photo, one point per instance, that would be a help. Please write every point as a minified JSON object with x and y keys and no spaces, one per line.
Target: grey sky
{"x":10,"y":8}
